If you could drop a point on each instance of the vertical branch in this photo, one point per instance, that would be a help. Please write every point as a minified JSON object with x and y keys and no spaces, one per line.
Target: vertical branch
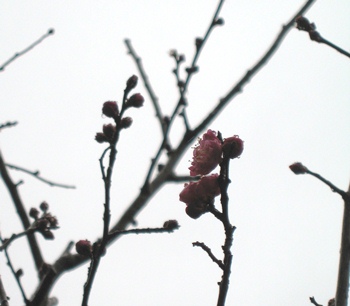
{"x":344,"y":261}
{"x":224,"y":181}
{"x":3,"y":296}
{"x":12,"y":188}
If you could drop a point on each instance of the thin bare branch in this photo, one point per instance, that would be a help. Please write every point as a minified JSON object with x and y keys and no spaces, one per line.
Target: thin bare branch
{"x":313,"y":301}
{"x":8,"y":124}
{"x":342,"y":292}
{"x":17,"y":274}
{"x":36,"y":174}
{"x":12,"y":188}
{"x":3,"y":297}
{"x":210,"y":253}
{"x":18,"y":54}
{"x":147,"y":83}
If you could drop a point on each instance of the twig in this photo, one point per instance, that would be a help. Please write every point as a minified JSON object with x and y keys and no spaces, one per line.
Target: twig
{"x":8,"y":124}
{"x":303,"y":24}
{"x":12,"y":188}
{"x":150,"y":230}
{"x":7,"y":242}
{"x":313,"y":301}
{"x":18,"y":54}
{"x":99,"y":247}
{"x":3,"y":297}
{"x":224,"y":181}
{"x":17,"y":274}
{"x":36,"y":174}
{"x":335,"y":189}
{"x":210,"y":253}
{"x":342,"y":291}
{"x":335,"y":47}
{"x":147,"y":84}
{"x":253,"y":71}
{"x":344,"y":260}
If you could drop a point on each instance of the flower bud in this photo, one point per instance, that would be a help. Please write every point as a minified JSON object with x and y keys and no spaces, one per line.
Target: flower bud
{"x":83,"y":247}
{"x":135,"y":100}
{"x":314,"y":35}
{"x":232,"y":147}
{"x":303,"y":24}
{"x":109,"y":130}
{"x":48,"y":235}
{"x":171,"y":224}
{"x":101,"y":138}
{"x":126,"y":122}
{"x":131,"y":82}
{"x":298,"y":168}
{"x":34,"y":213}
{"x":44,"y":206}
{"x":110,"y":109}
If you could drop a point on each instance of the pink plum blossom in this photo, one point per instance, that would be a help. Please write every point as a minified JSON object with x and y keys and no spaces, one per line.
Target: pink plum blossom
{"x":198,"y":195}
{"x":206,"y":155}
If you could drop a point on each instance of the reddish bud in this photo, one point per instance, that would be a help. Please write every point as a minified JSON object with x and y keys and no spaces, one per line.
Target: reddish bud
{"x":101,"y":138}
{"x":34,"y":213}
{"x":298,"y":168}
{"x":19,"y":273}
{"x":232,"y":147}
{"x":314,"y":35}
{"x":83,"y":247}
{"x":109,"y":130}
{"x":110,"y":109}
{"x":135,"y":100}
{"x":131,"y":82}
{"x":48,"y":235}
{"x":126,"y":122}
{"x":44,"y":206}
{"x":303,"y":24}
{"x":42,"y":224}
{"x":171,"y":224}
{"x":181,"y":58}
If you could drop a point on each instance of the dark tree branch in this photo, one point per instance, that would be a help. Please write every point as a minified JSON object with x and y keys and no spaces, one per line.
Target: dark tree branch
{"x":342,"y":292}
{"x":8,"y":124}
{"x":224,"y":182}
{"x":313,"y":301}
{"x":17,"y":274}
{"x":36,"y":174}
{"x":3,"y":297}
{"x":303,"y":24}
{"x":18,"y":54}
{"x":335,"y":189}
{"x":210,"y":253}
{"x":180,"y":104}
{"x":12,"y":188}
{"x":254,"y":70}
{"x":147,"y":84}
{"x":150,"y":230}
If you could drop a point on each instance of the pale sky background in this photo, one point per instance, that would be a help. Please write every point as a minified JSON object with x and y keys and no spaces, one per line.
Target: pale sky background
{"x":286,"y":245}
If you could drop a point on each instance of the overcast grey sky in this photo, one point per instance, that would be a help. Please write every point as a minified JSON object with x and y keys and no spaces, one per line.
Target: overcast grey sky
{"x":286,"y":245}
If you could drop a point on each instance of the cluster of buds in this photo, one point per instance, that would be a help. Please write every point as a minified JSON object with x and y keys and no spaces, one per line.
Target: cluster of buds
{"x":207,"y":155}
{"x":45,"y":222}
{"x":303,"y":24}
{"x":110,"y":109}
